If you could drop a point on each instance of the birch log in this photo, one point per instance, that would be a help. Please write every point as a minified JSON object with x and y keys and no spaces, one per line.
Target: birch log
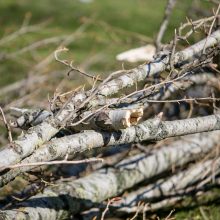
{"x":152,"y":129}
{"x":69,"y":197}
{"x":163,"y":92}
{"x":115,"y":119}
{"x":32,"y":139}
{"x":149,"y":204}
{"x":27,"y":143}
{"x":140,"y":73}
{"x":38,"y":135}
{"x":172,"y":185}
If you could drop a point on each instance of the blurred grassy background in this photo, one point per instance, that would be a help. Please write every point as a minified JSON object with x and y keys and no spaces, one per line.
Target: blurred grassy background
{"x":137,"y":16}
{"x":112,"y":26}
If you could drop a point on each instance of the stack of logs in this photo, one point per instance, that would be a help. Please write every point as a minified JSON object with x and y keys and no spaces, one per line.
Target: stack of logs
{"x":151,"y":146}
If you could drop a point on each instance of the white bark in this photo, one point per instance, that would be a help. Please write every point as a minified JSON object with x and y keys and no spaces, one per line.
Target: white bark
{"x":27,"y":143}
{"x":140,"y":54}
{"x":140,"y":73}
{"x":152,"y":129}
{"x":67,"y":197}
{"x":172,"y":185}
{"x":41,"y":133}
{"x":27,"y":118}
{"x":111,"y":120}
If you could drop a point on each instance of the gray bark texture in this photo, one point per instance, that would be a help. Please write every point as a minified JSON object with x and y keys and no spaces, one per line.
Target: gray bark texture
{"x":172,"y":185}
{"x":26,"y":118}
{"x":27,"y":143}
{"x":38,"y":135}
{"x":152,"y":129}
{"x":69,"y":197}
{"x":164,"y":192}
{"x":140,"y":73}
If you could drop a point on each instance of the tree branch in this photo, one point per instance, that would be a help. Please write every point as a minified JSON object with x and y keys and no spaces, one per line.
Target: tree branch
{"x":82,"y":193}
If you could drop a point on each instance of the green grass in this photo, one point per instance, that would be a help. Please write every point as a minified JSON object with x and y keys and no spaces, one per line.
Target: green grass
{"x":138,"y":16}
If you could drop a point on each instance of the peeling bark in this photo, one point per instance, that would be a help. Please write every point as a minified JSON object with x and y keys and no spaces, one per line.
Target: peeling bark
{"x":112,"y":120}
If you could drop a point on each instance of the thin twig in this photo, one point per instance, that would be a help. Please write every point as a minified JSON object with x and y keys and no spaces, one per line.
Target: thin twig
{"x":165,"y":22}
{"x":33,"y":46}
{"x":25,"y":28}
{"x":7,"y":126}
{"x":184,"y":100}
{"x":110,"y":201}
{"x":169,"y":216}
{"x":56,"y":162}
{"x":173,"y":52}
{"x":70,"y":64}
{"x":140,"y":207}
{"x":211,"y":27}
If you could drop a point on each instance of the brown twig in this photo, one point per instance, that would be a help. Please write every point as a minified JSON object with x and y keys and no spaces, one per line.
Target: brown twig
{"x":57,"y":162}
{"x":140,"y":207}
{"x":25,"y":28}
{"x":173,"y":53}
{"x":169,"y":216}
{"x":211,"y":27}
{"x":7,"y":126}
{"x":110,"y":201}
{"x":70,"y":64}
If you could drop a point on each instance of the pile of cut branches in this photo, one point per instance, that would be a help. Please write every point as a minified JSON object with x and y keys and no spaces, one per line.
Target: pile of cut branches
{"x":137,"y":141}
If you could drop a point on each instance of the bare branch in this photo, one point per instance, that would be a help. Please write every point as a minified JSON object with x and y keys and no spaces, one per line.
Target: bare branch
{"x":37,"y":136}
{"x":153,"y":129}
{"x":169,"y":186}
{"x":7,"y":126}
{"x":82,"y":193}
{"x":58,"y":162}
{"x":165,"y":22}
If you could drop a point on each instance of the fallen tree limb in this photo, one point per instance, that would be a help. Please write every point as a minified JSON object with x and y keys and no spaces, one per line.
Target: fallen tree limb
{"x":169,"y":8}
{"x":152,"y":129}
{"x":36,"y":136}
{"x":140,"y":73}
{"x":27,"y":118}
{"x":27,"y":143}
{"x":164,"y":92}
{"x":171,"y":199}
{"x":64,"y":198}
{"x":115,"y":119}
{"x":30,"y":117}
{"x":170,"y":186}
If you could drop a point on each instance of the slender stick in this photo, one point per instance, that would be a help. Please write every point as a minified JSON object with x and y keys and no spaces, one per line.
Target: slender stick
{"x":7,"y":126}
